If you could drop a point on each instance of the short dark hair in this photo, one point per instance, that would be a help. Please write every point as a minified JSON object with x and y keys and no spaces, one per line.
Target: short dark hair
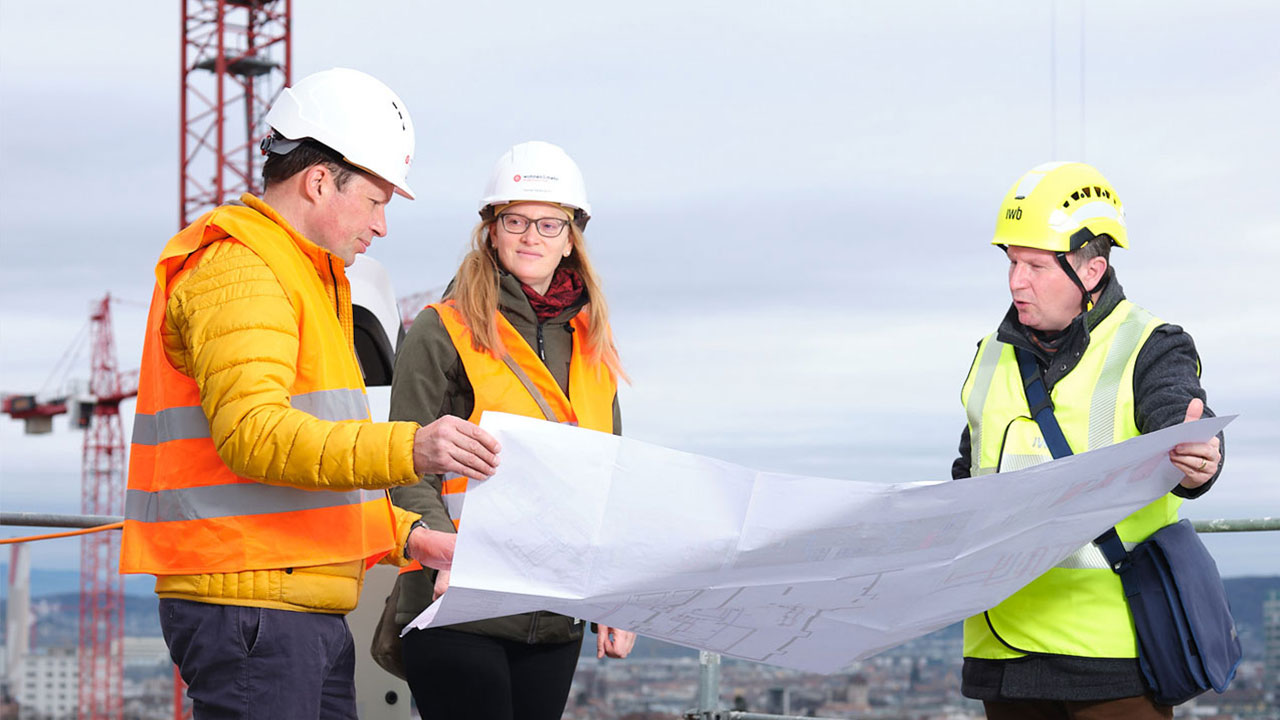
{"x":1099,"y":246}
{"x":279,"y":167}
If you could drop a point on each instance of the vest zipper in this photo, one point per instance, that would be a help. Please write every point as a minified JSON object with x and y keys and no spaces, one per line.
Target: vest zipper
{"x":337,"y":306}
{"x":541,"y":347}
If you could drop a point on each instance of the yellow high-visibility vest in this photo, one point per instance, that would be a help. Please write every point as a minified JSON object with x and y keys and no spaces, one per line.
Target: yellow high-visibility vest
{"x":1078,"y":607}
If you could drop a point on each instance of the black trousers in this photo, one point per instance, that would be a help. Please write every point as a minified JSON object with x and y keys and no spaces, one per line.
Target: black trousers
{"x":461,"y":675}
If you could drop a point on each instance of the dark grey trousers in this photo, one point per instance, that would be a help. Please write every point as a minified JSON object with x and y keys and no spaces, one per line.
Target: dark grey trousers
{"x":247,"y":662}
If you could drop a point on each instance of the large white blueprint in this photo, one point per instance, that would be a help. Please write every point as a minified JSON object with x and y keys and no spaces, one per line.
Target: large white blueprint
{"x":803,"y":572}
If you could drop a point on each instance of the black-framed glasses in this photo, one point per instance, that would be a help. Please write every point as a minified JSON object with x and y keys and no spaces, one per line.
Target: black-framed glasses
{"x":517,"y":224}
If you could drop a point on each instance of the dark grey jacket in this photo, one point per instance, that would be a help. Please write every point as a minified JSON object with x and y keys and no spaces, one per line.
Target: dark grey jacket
{"x":430,"y":382}
{"x":1166,"y":376}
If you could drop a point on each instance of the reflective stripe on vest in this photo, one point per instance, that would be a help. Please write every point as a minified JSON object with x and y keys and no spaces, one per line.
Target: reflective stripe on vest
{"x":184,"y":423}
{"x":454,"y":492}
{"x":984,"y":370}
{"x":1078,"y":607}
{"x":186,"y":512}
{"x":221,"y":501}
{"x":247,"y":498}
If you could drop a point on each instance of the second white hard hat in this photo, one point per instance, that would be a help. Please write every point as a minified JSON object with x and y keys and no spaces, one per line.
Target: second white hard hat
{"x":354,"y":114}
{"x":537,"y":171}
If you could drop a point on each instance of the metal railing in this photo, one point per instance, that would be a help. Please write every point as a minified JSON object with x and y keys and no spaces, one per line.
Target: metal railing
{"x":30,"y":519}
{"x":708,"y":697}
{"x":1236,"y":525}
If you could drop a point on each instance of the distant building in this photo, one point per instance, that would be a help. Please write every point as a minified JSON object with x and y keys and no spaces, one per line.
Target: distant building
{"x":49,"y":689}
{"x":1271,"y":634}
{"x":17,"y":616}
{"x":779,"y":701}
{"x":145,"y":651}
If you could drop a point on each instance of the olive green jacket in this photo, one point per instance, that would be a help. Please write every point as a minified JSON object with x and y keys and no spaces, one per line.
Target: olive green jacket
{"x":430,"y":382}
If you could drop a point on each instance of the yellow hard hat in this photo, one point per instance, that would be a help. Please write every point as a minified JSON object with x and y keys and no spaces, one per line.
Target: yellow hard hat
{"x":1059,"y":207}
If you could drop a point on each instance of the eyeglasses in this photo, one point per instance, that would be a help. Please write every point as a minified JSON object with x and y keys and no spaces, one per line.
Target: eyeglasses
{"x":517,"y":224}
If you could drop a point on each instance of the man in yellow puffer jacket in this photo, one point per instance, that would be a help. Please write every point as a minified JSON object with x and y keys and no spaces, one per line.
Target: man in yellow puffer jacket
{"x":256,"y":481}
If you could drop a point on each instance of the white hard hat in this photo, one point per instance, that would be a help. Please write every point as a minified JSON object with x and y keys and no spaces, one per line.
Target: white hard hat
{"x":355,"y":115}
{"x":537,"y":171}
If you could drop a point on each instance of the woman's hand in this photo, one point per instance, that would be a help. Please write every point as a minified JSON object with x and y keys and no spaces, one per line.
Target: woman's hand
{"x":442,"y":584}
{"x":613,"y":642}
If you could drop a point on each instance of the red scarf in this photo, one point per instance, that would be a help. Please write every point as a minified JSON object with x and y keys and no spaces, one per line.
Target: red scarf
{"x":565,"y":289}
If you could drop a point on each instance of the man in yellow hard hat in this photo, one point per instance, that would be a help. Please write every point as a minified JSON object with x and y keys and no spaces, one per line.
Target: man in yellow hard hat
{"x":1064,"y":646}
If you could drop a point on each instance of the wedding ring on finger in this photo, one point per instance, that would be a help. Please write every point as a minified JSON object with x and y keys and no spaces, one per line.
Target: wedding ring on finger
{"x":1204,"y":463}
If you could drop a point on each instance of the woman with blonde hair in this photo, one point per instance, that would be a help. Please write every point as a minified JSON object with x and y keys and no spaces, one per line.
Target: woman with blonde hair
{"x":524,"y":328}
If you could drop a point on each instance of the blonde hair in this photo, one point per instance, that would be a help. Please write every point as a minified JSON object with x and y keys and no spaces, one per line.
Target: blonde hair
{"x":475,"y":294}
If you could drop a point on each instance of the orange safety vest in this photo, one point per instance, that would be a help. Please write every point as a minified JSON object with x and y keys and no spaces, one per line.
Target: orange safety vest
{"x":591,"y":385}
{"x":186,"y":512}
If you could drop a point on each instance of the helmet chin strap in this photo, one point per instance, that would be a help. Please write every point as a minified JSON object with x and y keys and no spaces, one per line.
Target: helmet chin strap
{"x":1086,"y":296}
{"x":1079,"y":239}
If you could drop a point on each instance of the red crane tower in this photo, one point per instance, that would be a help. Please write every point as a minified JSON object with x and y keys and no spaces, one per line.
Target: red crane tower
{"x":102,"y":493}
{"x":235,"y":60}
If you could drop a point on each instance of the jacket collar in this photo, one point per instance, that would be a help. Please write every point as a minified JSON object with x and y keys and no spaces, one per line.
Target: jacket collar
{"x":515,"y":305}
{"x":1014,"y":333}
{"x":324,"y":261}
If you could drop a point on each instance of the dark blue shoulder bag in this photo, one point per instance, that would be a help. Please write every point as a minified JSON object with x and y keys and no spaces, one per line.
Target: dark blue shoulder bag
{"x":1187,"y":639}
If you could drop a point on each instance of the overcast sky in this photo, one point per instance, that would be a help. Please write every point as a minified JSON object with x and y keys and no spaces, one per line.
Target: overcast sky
{"x":793,"y":204}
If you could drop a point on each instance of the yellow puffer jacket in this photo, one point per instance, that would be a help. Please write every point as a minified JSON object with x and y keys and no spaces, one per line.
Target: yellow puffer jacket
{"x":230,"y":327}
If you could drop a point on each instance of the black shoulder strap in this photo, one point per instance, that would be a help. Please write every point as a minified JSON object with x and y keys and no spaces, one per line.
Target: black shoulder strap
{"x":1041,"y":405}
{"x":1042,"y":410}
